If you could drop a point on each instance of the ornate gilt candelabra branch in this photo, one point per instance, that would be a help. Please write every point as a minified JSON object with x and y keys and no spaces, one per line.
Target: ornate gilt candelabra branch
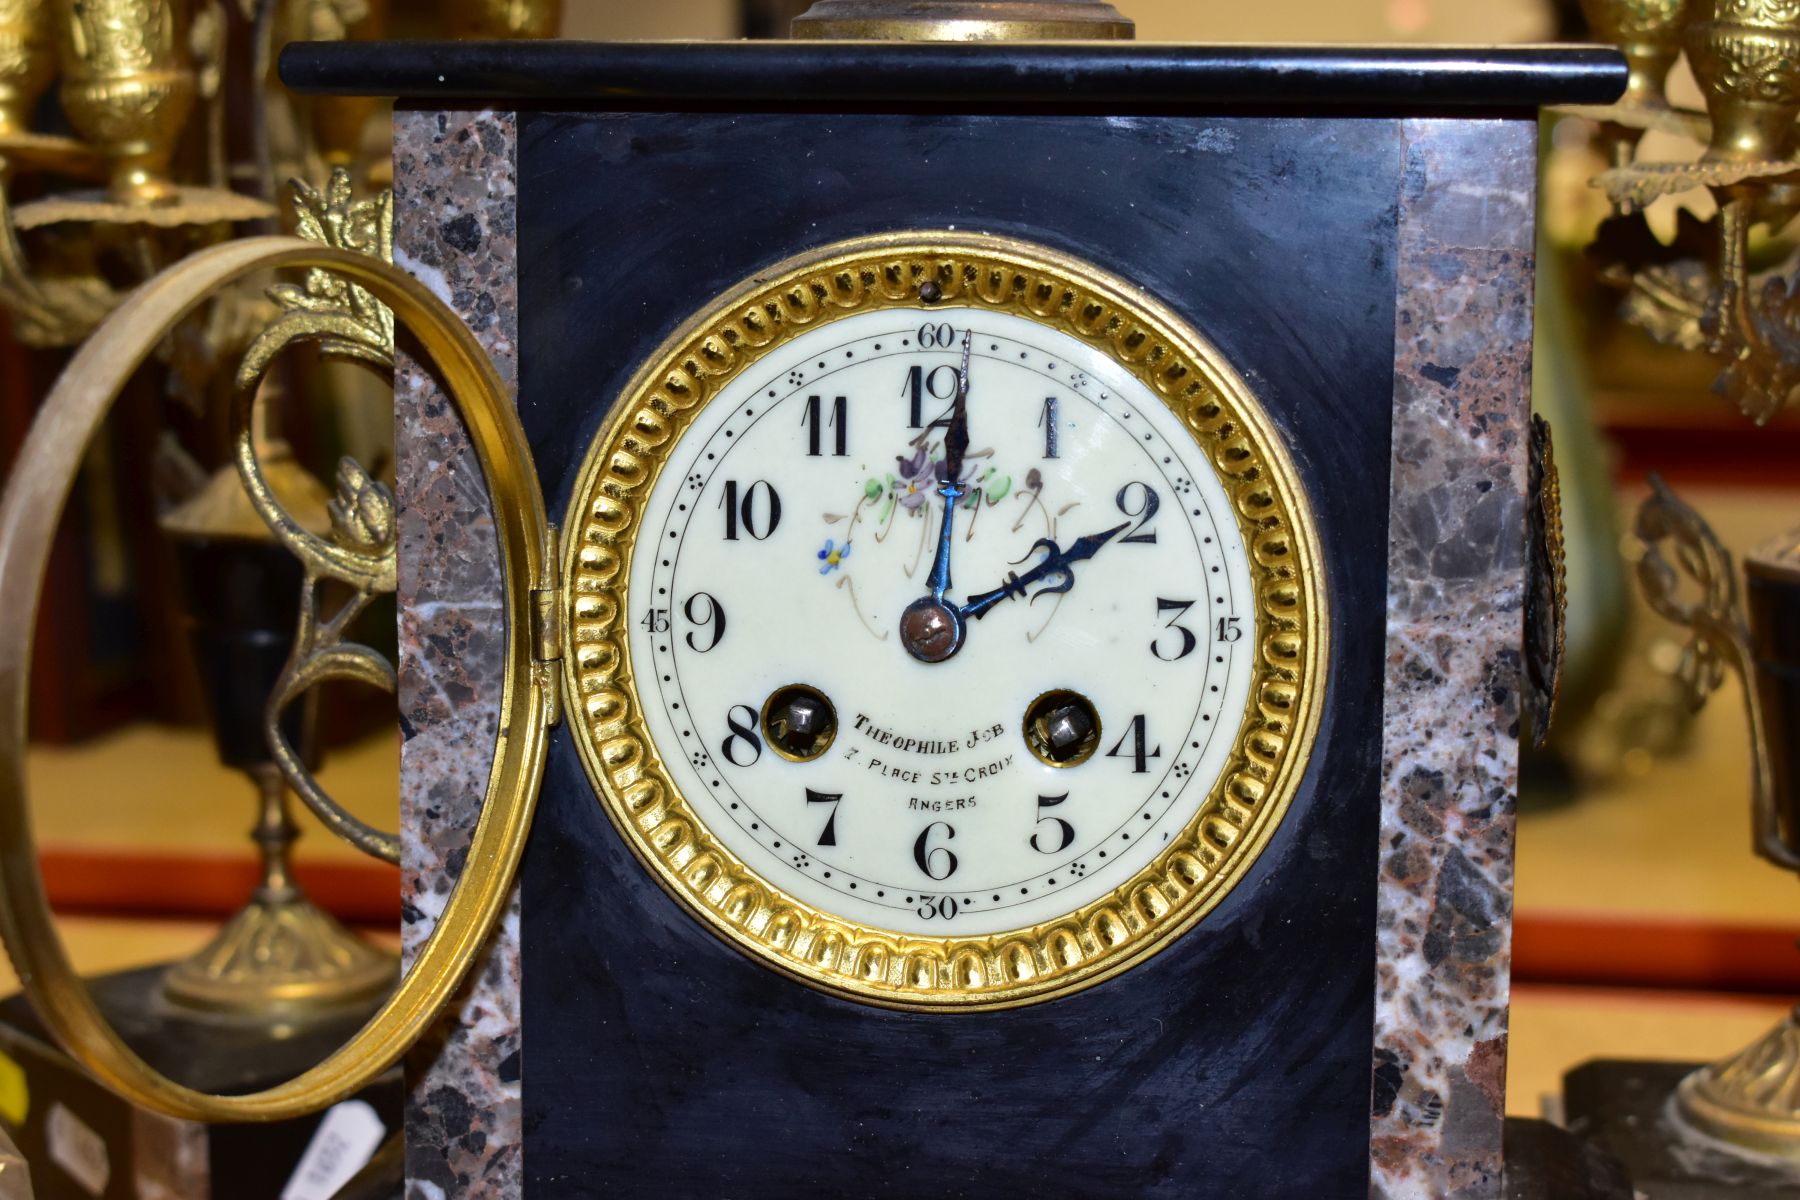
{"x":1701,"y":292}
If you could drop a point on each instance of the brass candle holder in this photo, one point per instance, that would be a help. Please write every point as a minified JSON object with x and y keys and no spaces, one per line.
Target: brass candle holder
{"x":127,"y":86}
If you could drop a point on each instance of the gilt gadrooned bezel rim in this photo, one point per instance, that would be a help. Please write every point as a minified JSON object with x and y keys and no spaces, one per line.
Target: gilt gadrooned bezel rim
{"x":1275,"y":736}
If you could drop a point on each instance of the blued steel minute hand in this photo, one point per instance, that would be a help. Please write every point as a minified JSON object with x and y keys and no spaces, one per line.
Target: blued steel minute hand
{"x":956,"y":444}
{"x":1057,"y":563}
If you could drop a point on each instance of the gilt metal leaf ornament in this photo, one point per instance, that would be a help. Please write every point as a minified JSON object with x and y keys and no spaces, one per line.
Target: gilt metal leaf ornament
{"x":342,"y":317}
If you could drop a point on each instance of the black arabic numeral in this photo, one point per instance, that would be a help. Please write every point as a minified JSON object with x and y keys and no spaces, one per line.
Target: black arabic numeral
{"x":934,"y":857}
{"x":1065,"y":831}
{"x":710,"y":613}
{"x":741,"y":732}
{"x":1144,"y":510}
{"x":828,"y":836}
{"x":939,"y":384}
{"x":931,"y":907}
{"x":656,"y":620}
{"x":1140,"y":757}
{"x":1188,"y":640}
{"x":937,"y":336}
{"x":839,"y":422}
{"x":1228,"y":629}
{"x":759,"y":521}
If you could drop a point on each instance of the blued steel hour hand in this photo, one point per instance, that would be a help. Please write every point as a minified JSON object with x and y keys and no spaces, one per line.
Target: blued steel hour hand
{"x":1055,"y":571}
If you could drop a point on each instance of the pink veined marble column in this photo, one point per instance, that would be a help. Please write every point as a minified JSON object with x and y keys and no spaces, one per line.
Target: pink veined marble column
{"x":1456,"y":588}
{"x":453,"y":228}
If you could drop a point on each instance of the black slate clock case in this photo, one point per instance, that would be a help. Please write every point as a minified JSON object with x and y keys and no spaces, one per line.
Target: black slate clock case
{"x":660,"y":1062}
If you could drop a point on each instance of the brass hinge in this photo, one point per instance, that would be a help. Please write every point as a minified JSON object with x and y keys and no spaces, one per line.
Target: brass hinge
{"x":546,"y":624}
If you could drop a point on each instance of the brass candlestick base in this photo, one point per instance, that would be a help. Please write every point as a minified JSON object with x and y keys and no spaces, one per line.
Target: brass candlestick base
{"x":1752,"y":1099}
{"x":281,"y":954}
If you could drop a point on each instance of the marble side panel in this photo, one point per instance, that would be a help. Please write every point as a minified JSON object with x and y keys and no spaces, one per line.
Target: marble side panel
{"x":454,"y":201}
{"x":1456,"y":585}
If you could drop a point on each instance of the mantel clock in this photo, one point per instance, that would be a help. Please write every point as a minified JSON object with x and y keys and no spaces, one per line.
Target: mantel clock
{"x":1032,"y":592}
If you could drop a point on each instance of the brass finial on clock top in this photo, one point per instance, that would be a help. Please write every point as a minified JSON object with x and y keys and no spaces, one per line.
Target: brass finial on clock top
{"x":963,"y":20}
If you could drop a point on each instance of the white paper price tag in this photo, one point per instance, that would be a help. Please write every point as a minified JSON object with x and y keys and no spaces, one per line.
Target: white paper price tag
{"x":77,"y":1149}
{"x":345,"y":1141}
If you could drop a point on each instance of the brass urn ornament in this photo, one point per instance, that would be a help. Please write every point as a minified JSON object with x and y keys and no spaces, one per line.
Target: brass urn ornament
{"x":1703,"y":293}
{"x":128,"y":86}
{"x":1746,"y":56}
{"x":505,"y":18}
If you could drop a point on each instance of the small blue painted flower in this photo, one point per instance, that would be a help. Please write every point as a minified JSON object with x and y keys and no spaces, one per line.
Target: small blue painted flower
{"x":832,"y":556}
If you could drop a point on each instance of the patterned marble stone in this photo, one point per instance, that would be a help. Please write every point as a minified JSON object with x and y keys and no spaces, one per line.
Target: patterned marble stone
{"x":453,"y":228}
{"x":1456,"y":588}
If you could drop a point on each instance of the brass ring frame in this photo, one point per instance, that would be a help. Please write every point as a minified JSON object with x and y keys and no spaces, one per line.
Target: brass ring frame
{"x":29,"y":511}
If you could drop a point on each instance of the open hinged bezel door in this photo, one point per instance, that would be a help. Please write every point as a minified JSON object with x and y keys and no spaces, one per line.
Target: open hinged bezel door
{"x":37,"y":492}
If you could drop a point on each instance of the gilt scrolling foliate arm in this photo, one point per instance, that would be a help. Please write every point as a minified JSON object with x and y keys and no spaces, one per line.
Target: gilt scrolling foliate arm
{"x":1687,"y":576}
{"x":344,"y":319}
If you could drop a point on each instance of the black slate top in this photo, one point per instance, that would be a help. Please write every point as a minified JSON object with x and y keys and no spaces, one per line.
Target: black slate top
{"x":1064,"y":76}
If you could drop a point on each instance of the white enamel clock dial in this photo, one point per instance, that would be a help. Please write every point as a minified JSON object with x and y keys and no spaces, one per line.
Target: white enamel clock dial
{"x":1091,"y":551}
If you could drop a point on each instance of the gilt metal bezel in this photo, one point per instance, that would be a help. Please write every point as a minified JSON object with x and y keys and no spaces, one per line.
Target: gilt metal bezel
{"x":1275,"y":737}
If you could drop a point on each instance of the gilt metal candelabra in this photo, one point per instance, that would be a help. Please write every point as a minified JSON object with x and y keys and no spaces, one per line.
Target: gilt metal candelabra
{"x":1700,"y":292}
